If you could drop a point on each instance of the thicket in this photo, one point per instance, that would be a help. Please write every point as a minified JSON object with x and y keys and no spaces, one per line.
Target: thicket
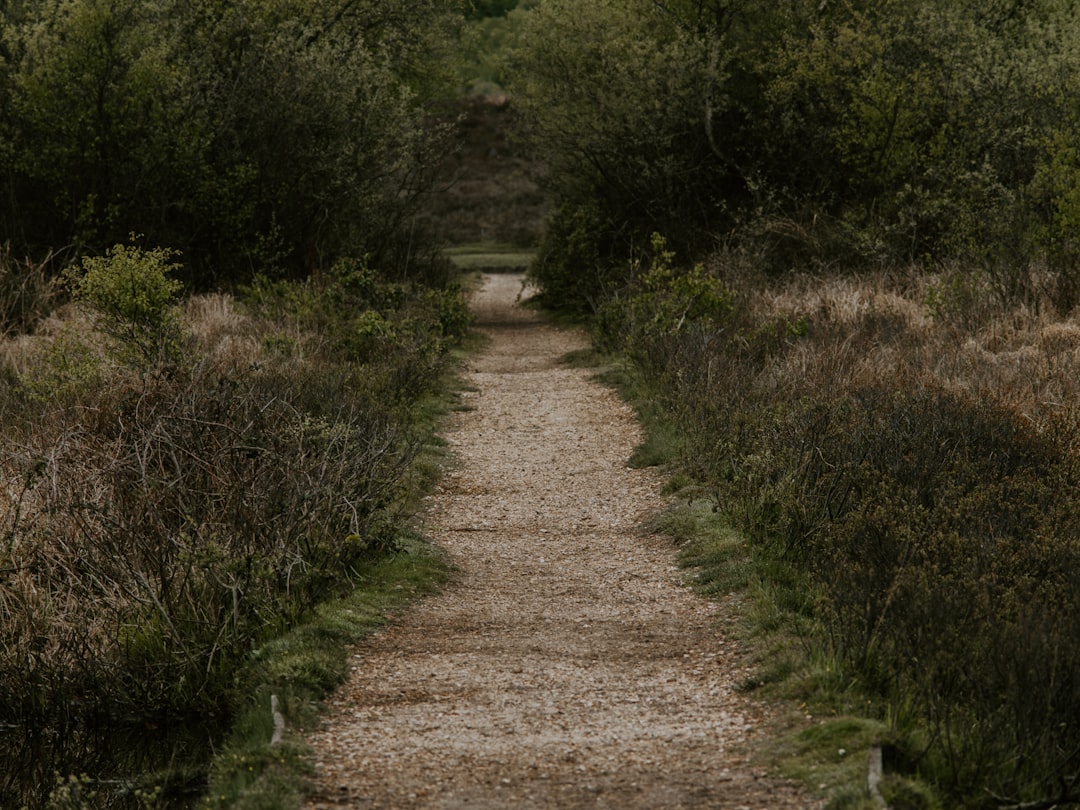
{"x":859,"y":321}
{"x":918,"y":485}
{"x":185,"y":479}
{"x":818,"y":135}
{"x":253,"y":137}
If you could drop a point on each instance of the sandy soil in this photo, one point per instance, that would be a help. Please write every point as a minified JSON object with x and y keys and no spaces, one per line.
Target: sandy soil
{"x":566,"y":666}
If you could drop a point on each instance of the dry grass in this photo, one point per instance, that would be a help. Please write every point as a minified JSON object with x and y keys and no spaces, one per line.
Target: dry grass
{"x":156,"y":522}
{"x":27,"y":291}
{"x":908,"y":445}
{"x":866,"y":329}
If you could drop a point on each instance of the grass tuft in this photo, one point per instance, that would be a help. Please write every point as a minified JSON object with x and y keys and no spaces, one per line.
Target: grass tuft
{"x":301,"y":668}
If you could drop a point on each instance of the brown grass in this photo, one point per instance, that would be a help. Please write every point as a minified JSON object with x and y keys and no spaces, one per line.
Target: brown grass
{"x":907,"y":444}
{"x":157,"y":522}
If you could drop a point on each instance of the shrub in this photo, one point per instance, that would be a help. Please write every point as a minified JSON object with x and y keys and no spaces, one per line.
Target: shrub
{"x":255,"y":137}
{"x":934,"y":526}
{"x":617,"y":100}
{"x":661,"y":301}
{"x":164,"y":520}
{"x":134,"y":300}
{"x":924,"y":523}
{"x":575,"y":266}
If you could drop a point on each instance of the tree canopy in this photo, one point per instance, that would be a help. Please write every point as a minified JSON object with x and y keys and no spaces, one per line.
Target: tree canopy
{"x":249,"y":135}
{"x":854,"y":134}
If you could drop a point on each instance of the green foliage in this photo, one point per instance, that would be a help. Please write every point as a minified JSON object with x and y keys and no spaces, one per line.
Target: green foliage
{"x":613,"y":94}
{"x":134,"y":298}
{"x":674,"y":298}
{"x":487,"y":41}
{"x":479,"y":9}
{"x":934,"y":526}
{"x":856,"y":134}
{"x":574,"y":267}
{"x":663,"y":301}
{"x":67,"y":370}
{"x":362,"y":318}
{"x":253,"y":136}
{"x":957,"y":296}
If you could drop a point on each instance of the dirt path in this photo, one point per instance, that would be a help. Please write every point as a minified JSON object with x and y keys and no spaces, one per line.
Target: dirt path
{"x":565,"y":667}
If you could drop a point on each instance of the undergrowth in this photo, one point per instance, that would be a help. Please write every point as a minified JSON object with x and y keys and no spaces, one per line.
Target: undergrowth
{"x":185,"y":481}
{"x":890,"y":484}
{"x":293,"y":673}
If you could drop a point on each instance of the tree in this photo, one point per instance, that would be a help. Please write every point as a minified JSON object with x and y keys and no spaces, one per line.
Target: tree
{"x":615,"y":97}
{"x":252,"y":136}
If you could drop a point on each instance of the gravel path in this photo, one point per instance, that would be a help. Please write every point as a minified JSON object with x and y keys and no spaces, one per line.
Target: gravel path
{"x":565,"y":666}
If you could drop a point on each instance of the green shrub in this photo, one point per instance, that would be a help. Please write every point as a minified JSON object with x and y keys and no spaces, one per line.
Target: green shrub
{"x":574,"y":266}
{"x":662,"y":300}
{"x":933,"y":532}
{"x":935,"y":528}
{"x":195,"y":124}
{"x":134,"y":301}
{"x":920,"y":535}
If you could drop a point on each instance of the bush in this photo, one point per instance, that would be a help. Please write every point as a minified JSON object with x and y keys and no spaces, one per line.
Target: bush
{"x":934,"y":528}
{"x":613,"y":97}
{"x":265,"y":137}
{"x":165,"y":519}
{"x":924,"y":525}
{"x":134,"y":301}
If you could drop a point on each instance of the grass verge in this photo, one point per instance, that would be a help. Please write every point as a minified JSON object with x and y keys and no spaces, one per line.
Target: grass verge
{"x":296,"y":672}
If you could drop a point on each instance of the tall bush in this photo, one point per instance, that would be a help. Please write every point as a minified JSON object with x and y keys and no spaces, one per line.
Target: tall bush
{"x":852,"y":135}
{"x":250,"y":135}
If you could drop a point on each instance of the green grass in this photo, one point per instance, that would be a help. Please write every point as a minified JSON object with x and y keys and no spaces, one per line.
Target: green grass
{"x":832,"y":757}
{"x":710,"y":546}
{"x":822,"y":745}
{"x":490,"y":257}
{"x":301,"y":669}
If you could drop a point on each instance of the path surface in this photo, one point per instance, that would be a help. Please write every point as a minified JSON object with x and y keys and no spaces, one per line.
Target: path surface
{"x":565,"y":667}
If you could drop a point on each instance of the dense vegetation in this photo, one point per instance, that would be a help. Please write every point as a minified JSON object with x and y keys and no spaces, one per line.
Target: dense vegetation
{"x":837,"y":243}
{"x":222,"y":334}
{"x":253,"y":137}
{"x":819,"y":134}
{"x":186,"y":480}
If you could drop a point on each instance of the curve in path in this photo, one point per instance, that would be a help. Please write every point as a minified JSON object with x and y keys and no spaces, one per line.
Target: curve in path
{"x":565,"y":666}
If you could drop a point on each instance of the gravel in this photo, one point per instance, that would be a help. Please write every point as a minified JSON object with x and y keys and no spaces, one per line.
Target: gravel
{"x":567,"y":665}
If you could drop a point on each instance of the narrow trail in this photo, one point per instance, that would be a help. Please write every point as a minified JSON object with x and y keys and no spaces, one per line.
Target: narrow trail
{"x":565,"y":666}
